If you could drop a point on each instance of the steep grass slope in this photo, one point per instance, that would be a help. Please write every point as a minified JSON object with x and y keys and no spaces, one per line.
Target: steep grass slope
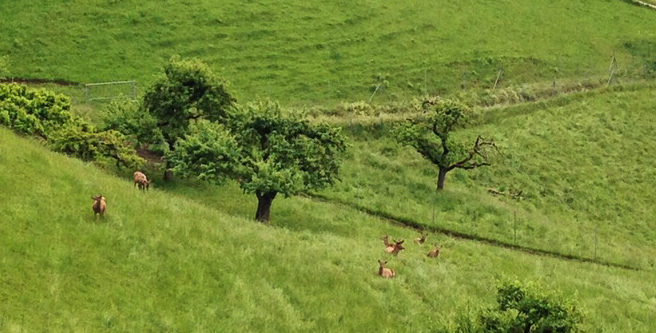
{"x":170,"y":260}
{"x":584,"y":163}
{"x":319,"y":51}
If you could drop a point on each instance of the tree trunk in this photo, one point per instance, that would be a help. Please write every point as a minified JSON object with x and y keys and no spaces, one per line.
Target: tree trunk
{"x":264,"y":201}
{"x":168,"y":174}
{"x":441,"y":178}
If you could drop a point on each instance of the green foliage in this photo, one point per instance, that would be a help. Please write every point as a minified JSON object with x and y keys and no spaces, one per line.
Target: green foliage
{"x":129,"y":119}
{"x":431,"y":133}
{"x":286,"y":155}
{"x":88,"y":144}
{"x":46,"y":114}
{"x":265,"y":151}
{"x":188,"y":91}
{"x":34,"y":111}
{"x":527,"y":308}
{"x":209,"y":153}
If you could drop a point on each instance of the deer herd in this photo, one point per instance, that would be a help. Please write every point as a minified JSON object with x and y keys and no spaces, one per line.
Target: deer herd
{"x":395,"y":247}
{"x":100,"y":206}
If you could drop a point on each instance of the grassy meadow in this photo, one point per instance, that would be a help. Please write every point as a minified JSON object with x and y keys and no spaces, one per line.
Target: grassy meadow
{"x":188,"y":257}
{"x":582,"y":162}
{"x":318,"y":52}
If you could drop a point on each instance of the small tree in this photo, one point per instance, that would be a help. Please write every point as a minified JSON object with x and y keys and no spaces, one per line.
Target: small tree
{"x":188,"y":91}
{"x":431,"y":135}
{"x":268,"y":154}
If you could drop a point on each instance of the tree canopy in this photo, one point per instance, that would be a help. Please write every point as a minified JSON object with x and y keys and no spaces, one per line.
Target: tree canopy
{"x":431,"y":135}
{"x":267,"y":152}
{"x":188,"y":91}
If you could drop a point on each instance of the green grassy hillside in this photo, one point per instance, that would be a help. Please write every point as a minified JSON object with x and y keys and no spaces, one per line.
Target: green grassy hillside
{"x":188,"y":257}
{"x":584,"y":164}
{"x":318,"y":51}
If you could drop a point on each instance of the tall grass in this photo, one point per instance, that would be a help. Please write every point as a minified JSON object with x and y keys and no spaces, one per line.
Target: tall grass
{"x":318,"y":52}
{"x":187,"y":257}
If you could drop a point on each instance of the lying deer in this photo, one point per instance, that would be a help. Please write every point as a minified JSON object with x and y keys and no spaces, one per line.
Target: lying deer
{"x":421,"y":239}
{"x":434,"y":252}
{"x":384,"y":271}
{"x":395,"y":248}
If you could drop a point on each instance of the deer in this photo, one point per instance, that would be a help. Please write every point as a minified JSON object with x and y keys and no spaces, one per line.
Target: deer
{"x":434,"y":252}
{"x":422,"y":239}
{"x":395,"y":248}
{"x":141,"y":180}
{"x":384,"y":271}
{"x":99,"y":205}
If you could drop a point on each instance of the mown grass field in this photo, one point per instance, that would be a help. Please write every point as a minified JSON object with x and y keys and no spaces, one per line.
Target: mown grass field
{"x":187,"y":257}
{"x":582,"y":161}
{"x":317,"y":52}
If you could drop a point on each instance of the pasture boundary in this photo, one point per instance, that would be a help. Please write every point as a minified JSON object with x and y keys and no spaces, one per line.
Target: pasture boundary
{"x":409,"y":223}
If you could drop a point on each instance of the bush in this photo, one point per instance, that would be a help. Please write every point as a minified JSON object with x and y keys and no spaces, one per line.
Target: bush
{"x":129,"y":119}
{"x":525,"y":308}
{"x":85,"y":143}
{"x":47,"y":115}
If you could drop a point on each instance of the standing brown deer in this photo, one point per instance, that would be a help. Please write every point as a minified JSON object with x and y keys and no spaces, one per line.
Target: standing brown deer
{"x":141,"y":180}
{"x":384,"y":271}
{"x":99,"y":205}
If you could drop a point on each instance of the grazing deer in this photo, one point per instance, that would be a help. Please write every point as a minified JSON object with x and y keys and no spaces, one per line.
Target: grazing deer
{"x":395,"y":248}
{"x":141,"y":180}
{"x":434,"y":252}
{"x":99,"y":205}
{"x":384,"y":271}
{"x":421,"y":239}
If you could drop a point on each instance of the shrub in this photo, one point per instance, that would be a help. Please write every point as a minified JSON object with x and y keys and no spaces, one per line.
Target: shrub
{"x":86,"y":143}
{"x":524,"y":308}
{"x":46,"y":114}
{"x":129,"y":119}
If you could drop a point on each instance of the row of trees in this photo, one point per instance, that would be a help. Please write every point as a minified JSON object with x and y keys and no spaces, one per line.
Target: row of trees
{"x":192,"y":119}
{"x":207,"y":135}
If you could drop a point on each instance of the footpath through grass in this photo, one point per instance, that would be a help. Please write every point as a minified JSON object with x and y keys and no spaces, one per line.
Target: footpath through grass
{"x":582,"y":161}
{"x":316,"y":52}
{"x":187,"y":257}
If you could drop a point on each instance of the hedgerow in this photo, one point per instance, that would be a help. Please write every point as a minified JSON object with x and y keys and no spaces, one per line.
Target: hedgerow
{"x":47,"y":115}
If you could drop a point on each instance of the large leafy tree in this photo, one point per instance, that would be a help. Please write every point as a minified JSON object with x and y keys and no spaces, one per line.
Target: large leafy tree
{"x":188,"y":91}
{"x":431,"y":134}
{"x":268,"y":153}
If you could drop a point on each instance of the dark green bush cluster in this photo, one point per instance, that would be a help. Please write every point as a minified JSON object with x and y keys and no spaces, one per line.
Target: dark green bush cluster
{"x":45,"y":114}
{"x":33,"y":112}
{"x":138,"y":125}
{"x":524,"y":308}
